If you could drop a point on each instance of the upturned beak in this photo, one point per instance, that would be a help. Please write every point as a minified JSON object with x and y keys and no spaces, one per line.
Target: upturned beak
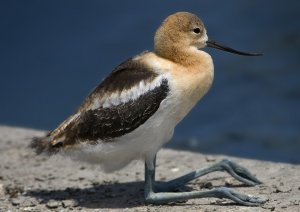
{"x":214,"y":44}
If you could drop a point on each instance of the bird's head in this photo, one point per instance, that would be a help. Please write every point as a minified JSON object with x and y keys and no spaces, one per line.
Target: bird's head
{"x":183,"y":32}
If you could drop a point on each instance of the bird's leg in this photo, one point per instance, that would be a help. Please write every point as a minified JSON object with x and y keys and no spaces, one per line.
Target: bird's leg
{"x":238,"y":172}
{"x":154,"y":197}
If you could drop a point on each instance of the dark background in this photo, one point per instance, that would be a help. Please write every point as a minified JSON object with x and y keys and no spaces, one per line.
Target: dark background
{"x":52,"y":53}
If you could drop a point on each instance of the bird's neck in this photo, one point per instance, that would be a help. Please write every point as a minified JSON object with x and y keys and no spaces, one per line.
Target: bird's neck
{"x":187,"y":57}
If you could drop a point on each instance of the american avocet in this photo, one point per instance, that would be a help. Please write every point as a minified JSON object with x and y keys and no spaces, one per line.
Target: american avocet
{"x":134,"y":111}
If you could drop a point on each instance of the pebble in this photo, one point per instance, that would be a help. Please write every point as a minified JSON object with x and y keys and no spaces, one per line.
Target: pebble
{"x":229,"y":182}
{"x":208,"y":185}
{"x":31,"y":209}
{"x":16,"y":201}
{"x":53,"y":204}
{"x":2,"y":190}
{"x":14,"y":190}
{"x":39,"y":179}
{"x":175,"y":169}
{"x":29,"y":203}
{"x":279,"y":189}
{"x":296,"y":203}
{"x":210,"y":159}
{"x":69,"y":203}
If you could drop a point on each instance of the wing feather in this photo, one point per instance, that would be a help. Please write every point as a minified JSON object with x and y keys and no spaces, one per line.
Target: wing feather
{"x":126,"y":99}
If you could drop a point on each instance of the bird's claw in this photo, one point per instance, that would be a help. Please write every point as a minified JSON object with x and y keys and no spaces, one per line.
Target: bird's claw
{"x":238,"y":172}
{"x":243,"y":199}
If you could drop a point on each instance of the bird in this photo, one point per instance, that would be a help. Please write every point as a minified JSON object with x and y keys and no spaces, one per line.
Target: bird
{"x":133,"y":112}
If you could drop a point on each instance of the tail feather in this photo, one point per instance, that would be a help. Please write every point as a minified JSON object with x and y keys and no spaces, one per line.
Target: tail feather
{"x":44,"y":145}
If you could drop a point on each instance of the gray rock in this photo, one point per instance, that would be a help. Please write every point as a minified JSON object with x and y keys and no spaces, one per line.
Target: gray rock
{"x":69,"y":203}
{"x":2,"y":190}
{"x":16,"y":201}
{"x":53,"y":204}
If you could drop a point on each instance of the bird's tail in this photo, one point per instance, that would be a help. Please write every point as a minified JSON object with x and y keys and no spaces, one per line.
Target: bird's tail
{"x":44,"y":145}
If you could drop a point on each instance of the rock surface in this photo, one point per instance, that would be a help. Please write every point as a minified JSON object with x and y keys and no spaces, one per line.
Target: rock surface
{"x":36,"y":183}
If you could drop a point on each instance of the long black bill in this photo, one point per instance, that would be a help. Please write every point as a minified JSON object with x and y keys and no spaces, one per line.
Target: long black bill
{"x":214,"y":44}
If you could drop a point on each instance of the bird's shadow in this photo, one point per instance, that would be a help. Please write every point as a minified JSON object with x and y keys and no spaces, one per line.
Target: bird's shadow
{"x":116,"y":195}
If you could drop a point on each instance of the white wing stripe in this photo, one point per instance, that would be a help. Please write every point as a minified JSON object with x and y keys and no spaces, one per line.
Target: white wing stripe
{"x":125,"y":96}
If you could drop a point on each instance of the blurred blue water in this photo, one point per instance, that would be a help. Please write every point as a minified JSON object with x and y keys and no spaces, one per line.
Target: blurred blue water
{"x":52,"y":53}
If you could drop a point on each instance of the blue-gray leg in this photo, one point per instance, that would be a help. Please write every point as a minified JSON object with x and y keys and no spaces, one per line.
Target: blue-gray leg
{"x":238,"y":172}
{"x":159,"y":193}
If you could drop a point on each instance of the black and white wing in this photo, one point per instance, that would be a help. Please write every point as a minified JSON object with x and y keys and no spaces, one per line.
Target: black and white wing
{"x":126,"y":99}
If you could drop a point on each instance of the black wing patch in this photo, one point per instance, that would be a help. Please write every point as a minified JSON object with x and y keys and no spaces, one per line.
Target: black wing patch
{"x":126,"y":75}
{"x":115,"y":121}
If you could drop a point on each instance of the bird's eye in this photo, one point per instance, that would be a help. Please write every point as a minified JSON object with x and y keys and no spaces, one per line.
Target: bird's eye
{"x":197,"y":30}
